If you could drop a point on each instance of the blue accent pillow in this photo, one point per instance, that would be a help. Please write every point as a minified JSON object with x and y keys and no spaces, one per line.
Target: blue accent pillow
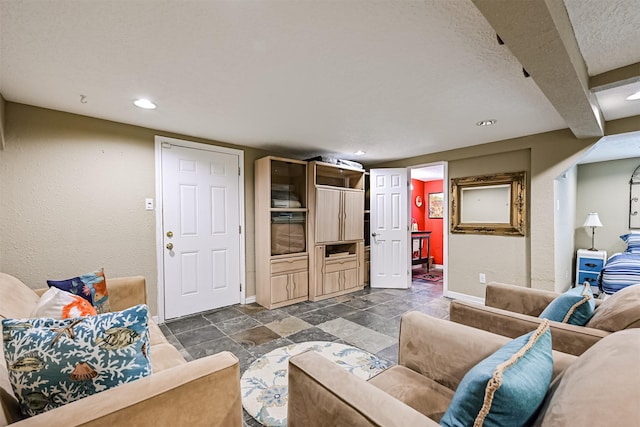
{"x":90,"y":286}
{"x":576,"y":306}
{"x":53,"y":362}
{"x":633,"y":242}
{"x":506,"y":388}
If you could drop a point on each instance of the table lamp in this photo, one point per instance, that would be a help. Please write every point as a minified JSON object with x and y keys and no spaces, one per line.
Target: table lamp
{"x":592,"y":221}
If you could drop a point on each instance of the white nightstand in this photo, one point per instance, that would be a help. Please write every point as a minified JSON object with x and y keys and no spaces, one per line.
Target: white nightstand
{"x":588,"y":266}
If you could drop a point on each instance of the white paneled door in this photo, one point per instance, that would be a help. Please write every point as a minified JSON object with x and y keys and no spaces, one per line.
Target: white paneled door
{"x":390,"y":257}
{"x":201,"y":229}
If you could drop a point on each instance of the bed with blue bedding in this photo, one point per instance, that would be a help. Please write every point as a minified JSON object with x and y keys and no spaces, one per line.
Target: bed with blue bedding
{"x":621,"y":270}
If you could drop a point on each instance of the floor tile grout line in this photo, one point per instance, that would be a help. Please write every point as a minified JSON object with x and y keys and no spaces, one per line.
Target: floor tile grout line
{"x":427,"y":300}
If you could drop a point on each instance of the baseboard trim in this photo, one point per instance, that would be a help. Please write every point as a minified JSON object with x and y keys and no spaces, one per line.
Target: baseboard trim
{"x":250,"y":300}
{"x":464,"y":297}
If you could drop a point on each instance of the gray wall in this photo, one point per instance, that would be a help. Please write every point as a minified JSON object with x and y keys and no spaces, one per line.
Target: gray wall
{"x":565,"y":213}
{"x":526,"y":261}
{"x":2,"y":106}
{"x":72,"y":192}
{"x":477,"y":253}
{"x":604,"y":188}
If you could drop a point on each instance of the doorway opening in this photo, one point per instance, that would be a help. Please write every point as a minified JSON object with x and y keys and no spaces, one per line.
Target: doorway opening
{"x":428,"y":204}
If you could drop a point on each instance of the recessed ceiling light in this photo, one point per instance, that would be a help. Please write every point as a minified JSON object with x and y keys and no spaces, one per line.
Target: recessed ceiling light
{"x":359,"y":153}
{"x":633,"y":97}
{"x":144,"y":103}
{"x":486,"y":122}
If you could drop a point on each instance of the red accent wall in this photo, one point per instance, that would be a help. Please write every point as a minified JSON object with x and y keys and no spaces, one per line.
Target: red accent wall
{"x":421,"y":215}
{"x":418,"y":213}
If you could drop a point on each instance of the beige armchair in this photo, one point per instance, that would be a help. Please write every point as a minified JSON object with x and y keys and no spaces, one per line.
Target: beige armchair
{"x":434,"y":356}
{"x":202,"y":392}
{"x":512,"y":311}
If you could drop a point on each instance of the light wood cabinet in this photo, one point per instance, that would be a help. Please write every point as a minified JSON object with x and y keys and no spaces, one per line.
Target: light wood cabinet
{"x":352,"y":226}
{"x":339,"y":215}
{"x":289,"y":280}
{"x":338,"y":272}
{"x":335,"y":229}
{"x":328,"y":205}
{"x":367,"y":228}
{"x":367,"y":265}
{"x":301,"y":205}
{"x":281,"y":214}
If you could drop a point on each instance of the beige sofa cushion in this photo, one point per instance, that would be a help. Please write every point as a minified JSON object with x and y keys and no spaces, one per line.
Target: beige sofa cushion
{"x":421,"y":393}
{"x":155,"y":334}
{"x":620,"y":311}
{"x":600,"y":388}
{"x":18,"y":300}
{"x":165,"y":356}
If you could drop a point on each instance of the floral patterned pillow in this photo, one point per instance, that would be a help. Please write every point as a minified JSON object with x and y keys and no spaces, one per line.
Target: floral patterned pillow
{"x":58,"y":304}
{"x":53,"y":362}
{"x":90,"y":286}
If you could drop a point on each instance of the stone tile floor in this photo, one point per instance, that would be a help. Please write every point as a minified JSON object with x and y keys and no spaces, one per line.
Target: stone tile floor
{"x":368,"y":319}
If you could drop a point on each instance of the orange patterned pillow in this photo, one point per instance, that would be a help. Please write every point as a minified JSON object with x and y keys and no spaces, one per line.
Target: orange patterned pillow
{"x":58,"y":304}
{"x":90,"y":286}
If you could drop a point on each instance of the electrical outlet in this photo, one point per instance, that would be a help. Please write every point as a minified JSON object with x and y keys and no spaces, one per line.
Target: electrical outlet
{"x":483,"y":278}
{"x":148,"y":204}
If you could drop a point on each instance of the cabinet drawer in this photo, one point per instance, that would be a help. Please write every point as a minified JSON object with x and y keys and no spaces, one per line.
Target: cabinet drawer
{"x":289,"y":264}
{"x":332,"y":265}
{"x":591,"y":264}
{"x":592,"y":278}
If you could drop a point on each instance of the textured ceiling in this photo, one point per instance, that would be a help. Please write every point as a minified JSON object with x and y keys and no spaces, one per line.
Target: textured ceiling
{"x":607,"y":31}
{"x":614,"y":147}
{"x":393,"y":78}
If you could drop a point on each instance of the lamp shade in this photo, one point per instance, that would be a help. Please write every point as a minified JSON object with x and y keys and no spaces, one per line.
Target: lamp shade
{"x":593,"y":220}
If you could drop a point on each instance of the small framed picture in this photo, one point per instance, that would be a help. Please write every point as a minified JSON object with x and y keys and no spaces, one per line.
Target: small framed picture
{"x":436,"y":205}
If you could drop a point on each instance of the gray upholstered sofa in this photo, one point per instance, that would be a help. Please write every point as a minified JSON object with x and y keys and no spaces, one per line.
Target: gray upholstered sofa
{"x":598,"y":388}
{"x":203,"y":392}
{"x":512,"y":311}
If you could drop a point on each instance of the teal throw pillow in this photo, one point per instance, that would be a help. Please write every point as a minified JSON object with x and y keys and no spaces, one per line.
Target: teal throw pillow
{"x":53,"y":362}
{"x":506,"y":388}
{"x":576,"y":306}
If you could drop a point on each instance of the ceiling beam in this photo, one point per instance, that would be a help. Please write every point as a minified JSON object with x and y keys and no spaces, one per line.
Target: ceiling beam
{"x":540,"y":35}
{"x":614,"y":78}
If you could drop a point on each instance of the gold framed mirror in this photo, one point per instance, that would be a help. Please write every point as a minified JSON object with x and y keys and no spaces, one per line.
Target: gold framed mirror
{"x":489,"y":204}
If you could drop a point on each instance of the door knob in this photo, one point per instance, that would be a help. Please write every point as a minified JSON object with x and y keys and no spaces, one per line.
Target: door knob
{"x":170,"y":246}
{"x":169,"y":233}
{"x":374,"y":234}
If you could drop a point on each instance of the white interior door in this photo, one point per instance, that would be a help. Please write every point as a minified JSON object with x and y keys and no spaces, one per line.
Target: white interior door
{"x":390,"y":259}
{"x":201,"y":229}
